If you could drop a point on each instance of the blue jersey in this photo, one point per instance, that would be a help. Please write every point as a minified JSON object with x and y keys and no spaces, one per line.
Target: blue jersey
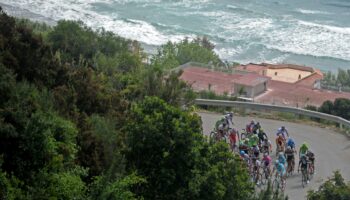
{"x":291,"y":144}
{"x":281,"y":169}
{"x":282,"y":160}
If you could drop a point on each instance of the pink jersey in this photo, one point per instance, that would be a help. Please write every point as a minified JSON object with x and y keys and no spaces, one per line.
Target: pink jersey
{"x":267,"y":160}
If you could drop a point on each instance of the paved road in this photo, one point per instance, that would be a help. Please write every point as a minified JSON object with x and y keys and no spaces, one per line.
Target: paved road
{"x":332,"y":149}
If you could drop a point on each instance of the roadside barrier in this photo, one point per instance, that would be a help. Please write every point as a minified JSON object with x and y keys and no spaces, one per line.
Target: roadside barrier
{"x":257,"y":106}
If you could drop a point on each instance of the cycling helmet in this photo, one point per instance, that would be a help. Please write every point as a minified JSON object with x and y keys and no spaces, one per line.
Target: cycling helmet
{"x":246,"y":140}
{"x":289,"y":148}
{"x":277,"y":162}
{"x":242,"y":153}
{"x":280,"y":154}
{"x":252,"y":122}
{"x":266,"y":154}
{"x":231,"y":114}
{"x":304,"y":144}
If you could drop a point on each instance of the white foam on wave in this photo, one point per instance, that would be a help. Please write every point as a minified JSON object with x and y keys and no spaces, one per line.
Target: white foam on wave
{"x":288,"y":35}
{"x":81,"y":10}
{"x":305,"y":11}
{"x":323,"y":27}
{"x":231,"y":6}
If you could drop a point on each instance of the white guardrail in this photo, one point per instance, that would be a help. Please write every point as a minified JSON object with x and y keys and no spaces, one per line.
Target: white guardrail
{"x":257,"y":106}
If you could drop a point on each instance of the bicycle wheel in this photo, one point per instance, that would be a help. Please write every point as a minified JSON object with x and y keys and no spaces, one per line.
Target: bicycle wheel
{"x":303,"y":178}
{"x":283,"y":185}
{"x":265,"y":177}
{"x":275,"y":185}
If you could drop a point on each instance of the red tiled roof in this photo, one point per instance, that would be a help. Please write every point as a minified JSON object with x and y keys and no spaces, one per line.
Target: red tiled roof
{"x":309,"y":80}
{"x":251,"y":79}
{"x":251,"y":68}
{"x":219,"y":82}
{"x":290,"y":94}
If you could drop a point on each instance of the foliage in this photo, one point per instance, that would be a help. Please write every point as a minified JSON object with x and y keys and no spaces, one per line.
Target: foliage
{"x":342,"y":78}
{"x":119,"y":189}
{"x":334,"y":188}
{"x":81,"y":117}
{"x":172,"y":55}
{"x":340,"y":107}
{"x":166,"y":147}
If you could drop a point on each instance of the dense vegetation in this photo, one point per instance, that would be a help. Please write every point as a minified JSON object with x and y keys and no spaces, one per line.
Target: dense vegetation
{"x":334,"y":188}
{"x":81,"y":117}
{"x":340,"y":107}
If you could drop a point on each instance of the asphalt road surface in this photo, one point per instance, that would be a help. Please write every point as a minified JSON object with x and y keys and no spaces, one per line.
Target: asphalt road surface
{"x":332,"y":149}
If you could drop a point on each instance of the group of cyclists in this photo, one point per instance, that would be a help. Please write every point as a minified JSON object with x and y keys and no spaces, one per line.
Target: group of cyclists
{"x":255,"y":148}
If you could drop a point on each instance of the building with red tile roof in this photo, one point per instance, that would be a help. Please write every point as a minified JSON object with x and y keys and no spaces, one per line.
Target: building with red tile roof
{"x":248,"y":81}
{"x":224,"y":83}
{"x":301,"y":75}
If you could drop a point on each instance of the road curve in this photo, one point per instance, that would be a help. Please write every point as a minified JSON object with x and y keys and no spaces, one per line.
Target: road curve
{"x":332,"y":149}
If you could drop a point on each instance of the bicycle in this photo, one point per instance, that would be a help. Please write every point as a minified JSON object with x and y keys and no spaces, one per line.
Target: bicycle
{"x":265,"y":177}
{"x":256,"y":175}
{"x":311,"y":169}
{"x":290,"y":168}
{"x":279,"y":148}
{"x":216,"y":136}
{"x":279,"y":183}
{"x":304,"y":178}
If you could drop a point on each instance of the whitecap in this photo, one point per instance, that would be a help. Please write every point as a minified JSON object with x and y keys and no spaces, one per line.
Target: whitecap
{"x":305,"y":11}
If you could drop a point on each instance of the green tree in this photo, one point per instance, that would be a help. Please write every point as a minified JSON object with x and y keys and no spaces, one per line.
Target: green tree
{"x":167,"y":148}
{"x":327,"y":107}
{"x":334,"y":188}
{"x":342,"y":107}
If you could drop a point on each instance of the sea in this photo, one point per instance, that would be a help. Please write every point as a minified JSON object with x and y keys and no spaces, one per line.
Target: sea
{"x":313,"y":33}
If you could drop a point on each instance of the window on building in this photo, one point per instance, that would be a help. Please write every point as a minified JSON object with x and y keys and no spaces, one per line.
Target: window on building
{"x":299,"y":76}
{"x":275,"y":73}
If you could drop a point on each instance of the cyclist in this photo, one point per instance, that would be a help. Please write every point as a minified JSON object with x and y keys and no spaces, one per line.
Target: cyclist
{"x":311,"y":157}
{"x":280,"y":170}
{"x":256,"y":127}
{"x":303,"y":164}
{"x":233,"y":135}
{"x":222,"y":128}
{"x":229,"y":119}
{"x":250,"y":127}
{"x":303,"y":149}
{"x":262,"y":135}
{"x":245,"y":157}
{"x":282,"y":131}
{"x":256,"y":168}
{"x":291,"y":144}
{"x":267,"y":162}
{"x":254,"y":140}
{"x":243,"y":146}
{"x":281,"y":158}
{"x":267,"y":145}
{"x":289,"y":154}
{"x":280,"y":143}
{"x":256,"y":151}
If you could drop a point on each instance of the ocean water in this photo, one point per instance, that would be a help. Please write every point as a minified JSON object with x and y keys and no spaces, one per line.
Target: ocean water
{"x":313,"y":32}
